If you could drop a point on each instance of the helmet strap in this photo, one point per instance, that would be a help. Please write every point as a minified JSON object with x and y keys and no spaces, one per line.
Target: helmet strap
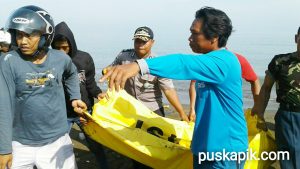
{"x":41,"y":47}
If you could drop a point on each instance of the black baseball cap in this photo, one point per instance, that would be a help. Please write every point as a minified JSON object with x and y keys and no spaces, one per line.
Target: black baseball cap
{"x":144,"y":33}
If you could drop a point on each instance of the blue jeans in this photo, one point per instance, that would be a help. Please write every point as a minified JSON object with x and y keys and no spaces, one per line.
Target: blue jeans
{"x":71,"y":121}
{"x":287,"y":137}
{"x":217,"y":164}
{"x":95,"y":147}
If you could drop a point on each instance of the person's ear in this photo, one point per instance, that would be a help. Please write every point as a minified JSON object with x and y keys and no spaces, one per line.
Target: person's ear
{"x":150,"y":43}
{"x":153,"y":41}
{"x":214,"y":40}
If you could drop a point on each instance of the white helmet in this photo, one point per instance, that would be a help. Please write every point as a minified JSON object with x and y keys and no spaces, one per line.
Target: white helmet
{"x":5,"y":37}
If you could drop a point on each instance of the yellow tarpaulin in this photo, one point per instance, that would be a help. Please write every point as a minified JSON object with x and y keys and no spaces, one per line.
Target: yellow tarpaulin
{"x":259,"y":141}
{"x":125,"y":125}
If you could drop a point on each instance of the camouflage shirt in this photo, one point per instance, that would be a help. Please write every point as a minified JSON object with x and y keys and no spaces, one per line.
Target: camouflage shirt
{"x":285,"y":70}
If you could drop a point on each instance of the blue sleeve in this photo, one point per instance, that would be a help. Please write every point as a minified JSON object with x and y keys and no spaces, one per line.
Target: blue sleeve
{"x":210,"y":67}
{"x":6,"y":108}
{"x":71,"y":80}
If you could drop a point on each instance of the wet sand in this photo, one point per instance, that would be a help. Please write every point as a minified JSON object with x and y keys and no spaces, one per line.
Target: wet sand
{"x":86,"y":160}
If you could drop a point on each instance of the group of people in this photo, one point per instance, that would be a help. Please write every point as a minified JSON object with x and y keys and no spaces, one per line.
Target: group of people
{"x":44,"y":90}
{"x":38,"y":86}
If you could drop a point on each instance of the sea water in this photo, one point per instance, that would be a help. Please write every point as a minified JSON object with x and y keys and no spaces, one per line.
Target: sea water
{"x":258,"y":47}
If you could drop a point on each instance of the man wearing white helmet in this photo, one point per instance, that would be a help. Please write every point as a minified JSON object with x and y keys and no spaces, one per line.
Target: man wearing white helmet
{"x":33,"y":121}
{"x":5,"y":40}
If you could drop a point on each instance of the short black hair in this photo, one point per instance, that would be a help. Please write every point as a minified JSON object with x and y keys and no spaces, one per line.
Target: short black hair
{"x":298,"y":30}
{"x":60,"y":38}
{"x":215,"y":23}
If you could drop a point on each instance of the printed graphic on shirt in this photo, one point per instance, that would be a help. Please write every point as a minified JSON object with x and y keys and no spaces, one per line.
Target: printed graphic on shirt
{"x":34,"y":80}
{"x":81,"y":76}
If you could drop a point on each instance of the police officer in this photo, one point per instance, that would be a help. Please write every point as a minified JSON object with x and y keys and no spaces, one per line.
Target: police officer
{"x":147,"y":88}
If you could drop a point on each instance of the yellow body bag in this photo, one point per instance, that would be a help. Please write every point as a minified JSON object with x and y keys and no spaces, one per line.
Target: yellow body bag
{"x":259,"y":141}
{"x":125,"y":125}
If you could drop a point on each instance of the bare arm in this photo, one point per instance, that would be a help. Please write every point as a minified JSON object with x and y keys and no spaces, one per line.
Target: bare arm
{"x":255,"y":88}
{"x":5,"y":161}
{"x":174,"y":101}
{"x":264,"y":96}
{"x":192,"y":92}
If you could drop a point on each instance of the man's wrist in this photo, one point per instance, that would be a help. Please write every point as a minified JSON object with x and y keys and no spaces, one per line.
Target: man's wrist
{"x":143,"y":66}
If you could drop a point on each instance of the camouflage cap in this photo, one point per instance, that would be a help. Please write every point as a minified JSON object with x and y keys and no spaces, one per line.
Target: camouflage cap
{"x":144,"y":33}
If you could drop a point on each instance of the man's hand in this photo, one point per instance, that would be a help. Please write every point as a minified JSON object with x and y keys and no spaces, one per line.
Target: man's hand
{"x":83,"y":121}
{"x":184,"y":117}
{"x":79,"y":107}
{"x":260,"y":115}
{"x":261,"y":123}
{"x":102,"y":96}
{"x":254,"y":110}
{"x":192,"y":115}
{"x":5,"y":161}
{"x":117,"y":75}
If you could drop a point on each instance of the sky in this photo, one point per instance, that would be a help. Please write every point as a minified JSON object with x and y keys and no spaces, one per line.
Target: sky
{"x":105,"y":27}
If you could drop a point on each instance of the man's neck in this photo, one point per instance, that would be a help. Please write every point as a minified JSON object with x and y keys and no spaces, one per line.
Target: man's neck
{"x":145,"y":56}
{"x":39,"y":59}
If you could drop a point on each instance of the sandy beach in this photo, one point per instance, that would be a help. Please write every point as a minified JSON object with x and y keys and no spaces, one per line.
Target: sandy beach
{"x":86,"y":160}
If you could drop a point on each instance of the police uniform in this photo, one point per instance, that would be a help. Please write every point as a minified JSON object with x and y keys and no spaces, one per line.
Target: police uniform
{"x":146,"y":88}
